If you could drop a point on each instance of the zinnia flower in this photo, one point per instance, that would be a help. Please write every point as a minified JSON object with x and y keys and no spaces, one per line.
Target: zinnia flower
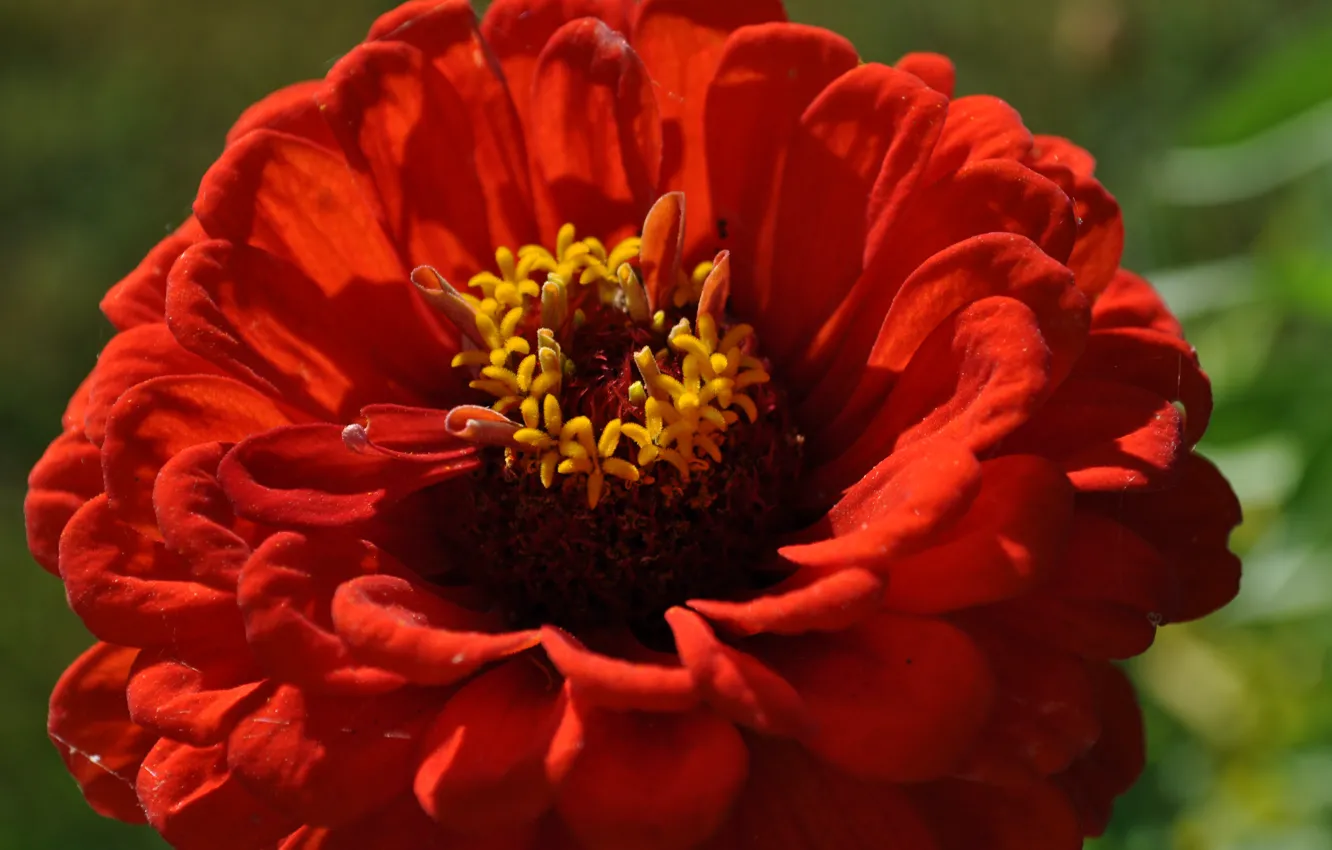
{"x":628,"y":427}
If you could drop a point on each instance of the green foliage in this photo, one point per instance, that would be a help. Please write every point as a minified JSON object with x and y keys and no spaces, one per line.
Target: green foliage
{"x":1204,"y":115}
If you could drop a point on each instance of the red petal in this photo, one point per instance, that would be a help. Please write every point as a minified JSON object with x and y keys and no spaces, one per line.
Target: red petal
{"x":663,"y":246}
{"x":197,"y":804}
{"x":291,"y":110}
{"x":1159,"y":363}
{"x":130,"y":358}
{"x":158,"y":419}
{"x":309,"y":476}
{"x":985,"y":265}
{"x":400,"y":826}
{"x":598,"y":146}
{"x":196,"y":519}
{"x":855,"y":156}
{"x":1112,"y":766}
{"x":484,"y":768}
{"x":406,"y":127}
{"x":794,"y":802}
{"x":898,"y":698}
{"x":517,"y":30}
{"x":130,"y":590}
{"x":1045,"y":712}
{"x":137,"y":299}
{"x":767,"y":76}
{"x":681,"y":44}
{"x":615,"y":683}
{"x":651,"y":781}
{"x":990,"y":196}
{"x":735,"y":683}
{"x":809,"y":601}
{"x":286,"y":593}
{"x":935,"y":69}
{"x":90,"y":726}
{"x":194,"y":694}
{"x":301,"y":203}
{"x":446,"y":34}
{"x":1106,"y":436}
{"x":978,"y":127}
{"x":68,"y":474}
{"x":394,"y":625}
{"x":1095,"y":257}
{"x":329,"y":352}
{"x":1131,"y":302}
{"x":327,"y":760}
{"x":976,"y":379}
{"x":1009,"y":542}
{"x":896,"y":508}
{"x":1189,"y":524}
{"x":1035,"y":816}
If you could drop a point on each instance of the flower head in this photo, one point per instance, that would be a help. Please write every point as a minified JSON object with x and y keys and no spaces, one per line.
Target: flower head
{"x":619,"y":426}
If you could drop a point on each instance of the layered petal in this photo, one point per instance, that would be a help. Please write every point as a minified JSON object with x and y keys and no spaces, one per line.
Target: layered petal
{"x":605,"y":175}
{"x":68,"y":474}
{"x":330,"y":760}
{"x":188,"y":791}
{"x":651,"y":781}
{"x":90,"y":726}
{"x":896,"y":698}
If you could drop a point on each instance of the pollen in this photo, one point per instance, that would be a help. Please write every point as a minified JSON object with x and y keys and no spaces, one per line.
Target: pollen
{"x":532,"y":330}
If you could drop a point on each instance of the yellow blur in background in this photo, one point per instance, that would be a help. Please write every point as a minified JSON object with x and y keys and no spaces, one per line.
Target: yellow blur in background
{"x":1212,"y":122}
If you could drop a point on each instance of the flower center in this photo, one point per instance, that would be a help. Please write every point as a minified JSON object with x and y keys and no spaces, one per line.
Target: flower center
{"x":640,"y":452}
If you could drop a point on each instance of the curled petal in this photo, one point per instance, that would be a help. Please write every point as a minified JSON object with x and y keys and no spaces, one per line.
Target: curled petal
{"x":187,"y":792}
{"x":286,"y":594}
{"x":131,"y":590}
{"x":132,"y":357}
{"x":975,"y":380}
{"x":1131,"y":302}
{"x":329,"y":760}
{"x":194,"y":695}
{"x":1156,"y":362}
{"x":158,"y":419}
{"x":399,"y":825}
{"x":651,"y":781}
{"x":1095,"y":256}
{"x":1010,"y":541}
{"x":517,"y":30}
{"x":809,"y":601}
{"x":936,"y":70}
{"x":618,"y":684}
{"x":196,"y":519}
{"x":138,"y":299}
{"x":314,"y":476}
{"x":486,"y":767}
{"x":663,"y":246}
{"x":396,"y":626}
{"x":856,"y":154}
{"x":605,"y":176}
{"x":1107,"y":436}
{"x":736,"y":684}
{"x":978,"y":127}
{"x":291,"y":109}
{"x":67,"y":476}
{"x":898,"y":506}
{"x":90,"y":725}
{"x":896,"y":698}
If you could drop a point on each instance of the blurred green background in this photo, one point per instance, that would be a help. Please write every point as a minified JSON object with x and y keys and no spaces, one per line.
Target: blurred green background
{"x":1212,"y":121}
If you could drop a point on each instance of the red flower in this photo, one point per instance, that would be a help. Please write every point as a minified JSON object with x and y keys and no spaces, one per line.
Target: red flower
{"x":810,"y":519}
